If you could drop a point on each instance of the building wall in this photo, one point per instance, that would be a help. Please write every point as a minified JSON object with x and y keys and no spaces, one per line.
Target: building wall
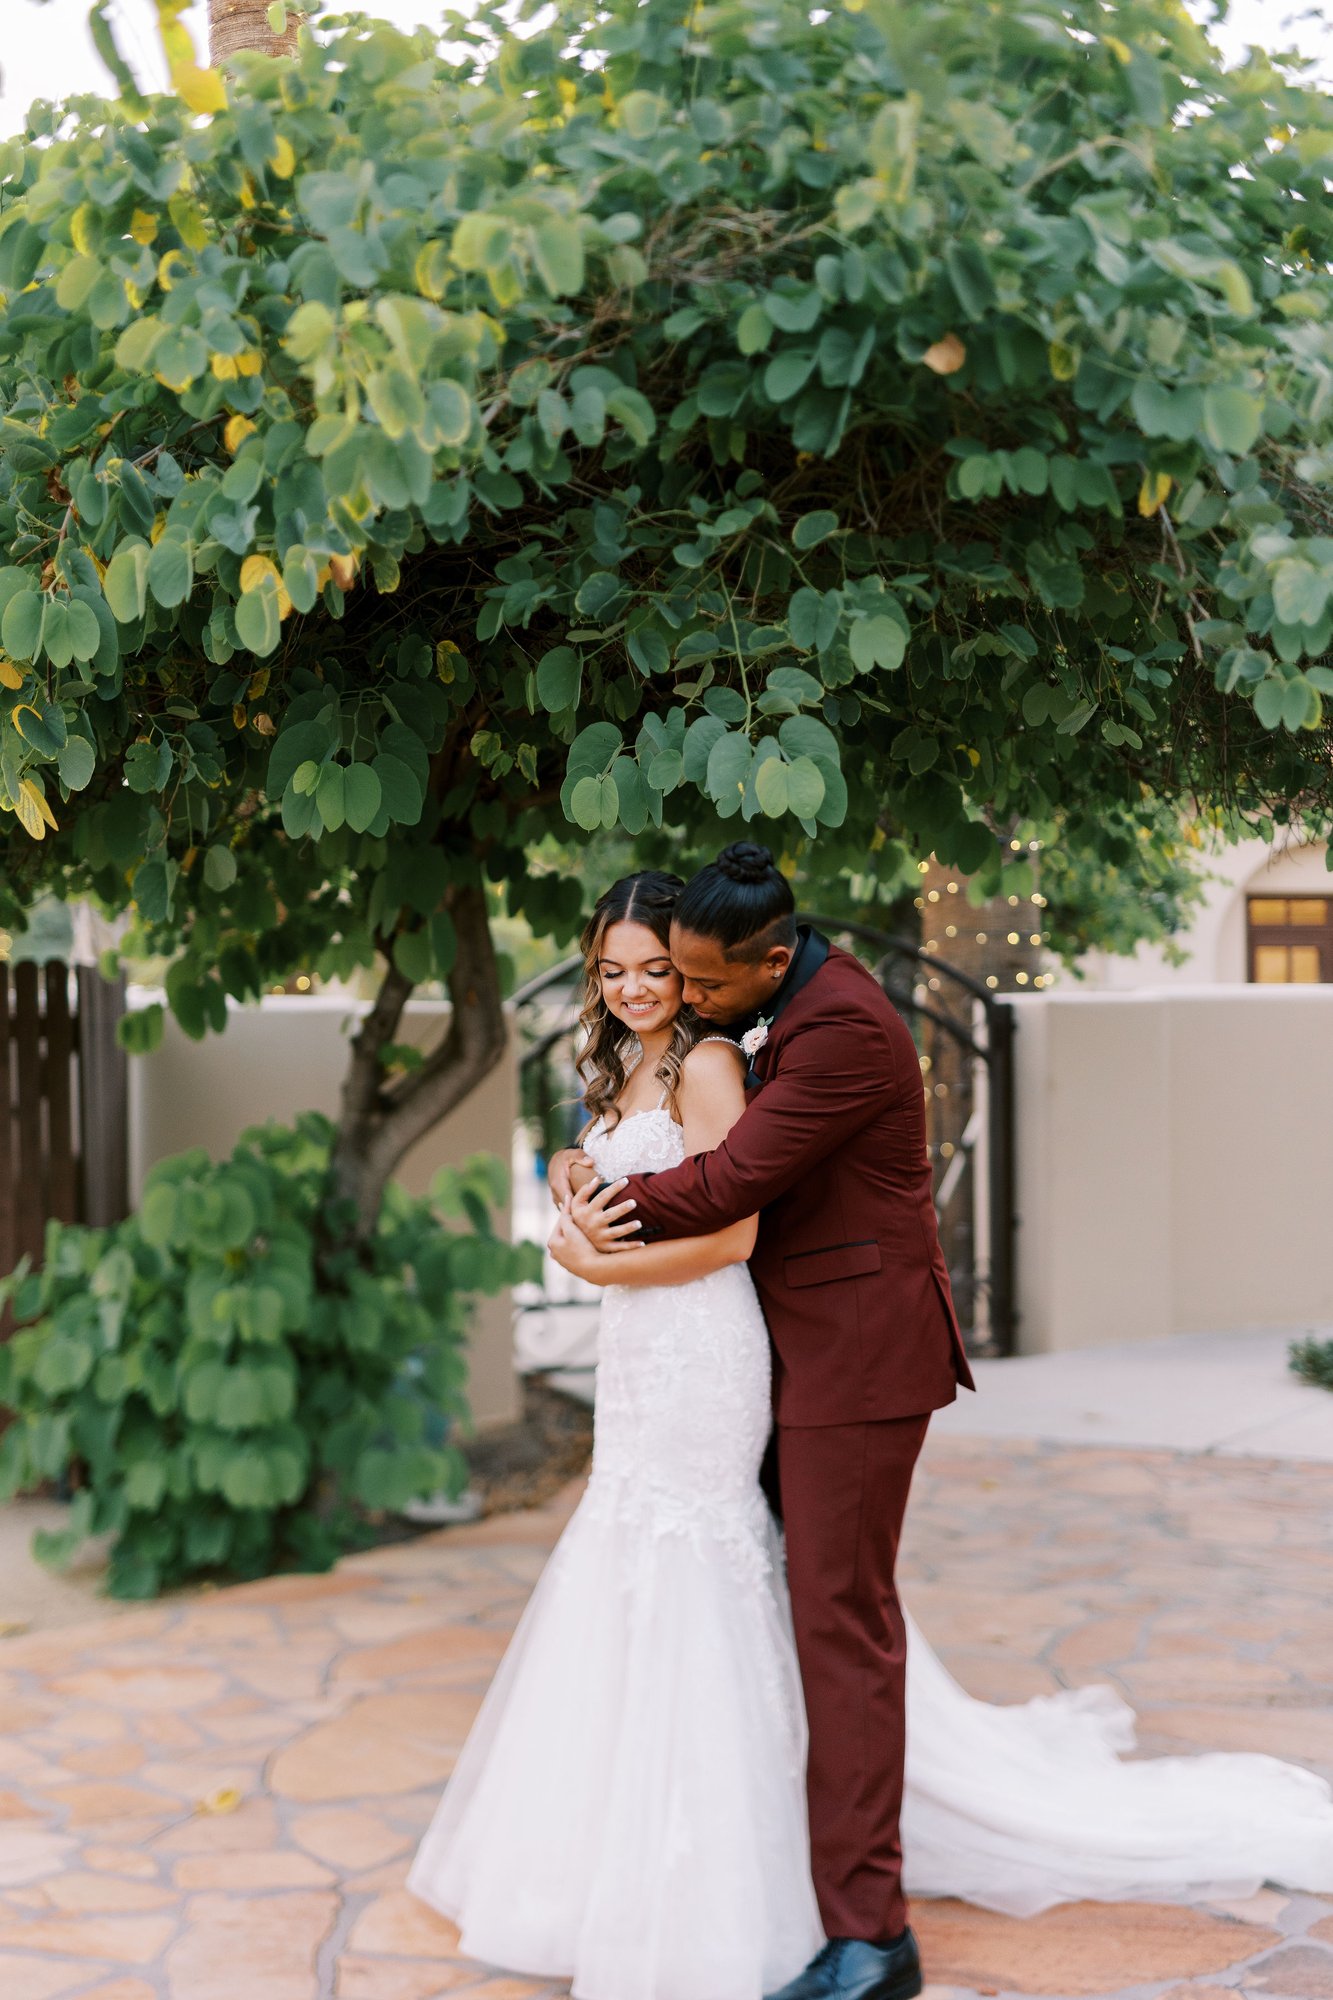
{"x":287,"y":1055}
{"x":1215,"y":942}
{"x":1174,"y":1156}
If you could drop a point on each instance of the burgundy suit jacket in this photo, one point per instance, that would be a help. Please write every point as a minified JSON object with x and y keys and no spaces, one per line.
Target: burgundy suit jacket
{"x":831,"y":1152}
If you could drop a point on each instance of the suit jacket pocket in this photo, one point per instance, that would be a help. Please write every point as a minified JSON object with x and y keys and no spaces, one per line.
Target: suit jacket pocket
{"x":840,"y":1260}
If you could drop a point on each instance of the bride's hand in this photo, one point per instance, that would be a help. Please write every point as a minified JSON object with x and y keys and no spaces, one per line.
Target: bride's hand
{"x":572,"y":1251}
{"x":600,"y":1217}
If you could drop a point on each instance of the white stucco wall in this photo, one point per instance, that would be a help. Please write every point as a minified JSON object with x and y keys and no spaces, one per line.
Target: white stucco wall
{"x":1174,"y":1160}
{"x":1215,"y":942}
{"x":288,"y":1054}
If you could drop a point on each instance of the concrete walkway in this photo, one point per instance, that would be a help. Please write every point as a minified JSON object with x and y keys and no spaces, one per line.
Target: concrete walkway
{"x":1231,"y":1393}
{"x":217,"y":1799}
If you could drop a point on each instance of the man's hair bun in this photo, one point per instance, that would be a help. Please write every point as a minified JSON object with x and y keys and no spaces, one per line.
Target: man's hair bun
{"x":745,"y":861}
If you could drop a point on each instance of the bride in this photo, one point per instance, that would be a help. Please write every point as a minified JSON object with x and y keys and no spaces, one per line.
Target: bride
{"x":629,"y":1810}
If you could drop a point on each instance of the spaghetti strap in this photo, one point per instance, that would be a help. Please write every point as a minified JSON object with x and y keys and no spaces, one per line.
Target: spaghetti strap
{"x":721,"y":1038}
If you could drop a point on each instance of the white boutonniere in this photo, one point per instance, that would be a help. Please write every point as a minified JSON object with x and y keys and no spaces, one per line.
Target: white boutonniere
{"x":753,"y":1040}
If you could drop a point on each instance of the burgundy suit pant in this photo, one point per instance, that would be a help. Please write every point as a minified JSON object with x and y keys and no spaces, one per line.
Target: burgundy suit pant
{"x":844,"y":1491}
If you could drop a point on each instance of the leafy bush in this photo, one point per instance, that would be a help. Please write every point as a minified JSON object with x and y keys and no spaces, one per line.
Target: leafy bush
{"x":1312,"y":1360}
{"x":221,"y":1410}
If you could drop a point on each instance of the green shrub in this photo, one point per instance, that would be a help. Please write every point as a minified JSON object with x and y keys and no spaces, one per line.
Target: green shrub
{"x":1312,"y":1360}
{"x":232,"y":1388}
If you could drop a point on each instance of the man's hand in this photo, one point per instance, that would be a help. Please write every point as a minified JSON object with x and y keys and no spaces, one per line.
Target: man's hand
{"x":572,"y":1251}
{"x":561,"y":1171}
{"x":601,"y":1218}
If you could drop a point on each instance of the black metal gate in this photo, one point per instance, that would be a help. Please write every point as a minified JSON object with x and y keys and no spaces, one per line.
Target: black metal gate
{"x":964,"y":1036}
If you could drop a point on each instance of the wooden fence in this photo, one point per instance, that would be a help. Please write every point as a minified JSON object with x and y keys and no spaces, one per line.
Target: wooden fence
{"x":63,"y":1104}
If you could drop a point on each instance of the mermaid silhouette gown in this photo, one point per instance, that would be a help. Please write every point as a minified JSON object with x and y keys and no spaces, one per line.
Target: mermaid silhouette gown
{"x":628,"y":1811}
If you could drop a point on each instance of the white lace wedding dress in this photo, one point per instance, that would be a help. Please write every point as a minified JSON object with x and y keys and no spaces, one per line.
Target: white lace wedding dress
{"x":629,"y":1812}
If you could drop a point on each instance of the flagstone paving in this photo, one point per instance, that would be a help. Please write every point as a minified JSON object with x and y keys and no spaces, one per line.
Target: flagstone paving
{"x":217,"y":1798}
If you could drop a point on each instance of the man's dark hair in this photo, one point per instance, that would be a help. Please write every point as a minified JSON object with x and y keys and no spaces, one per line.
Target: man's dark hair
{"x":742,"y":901}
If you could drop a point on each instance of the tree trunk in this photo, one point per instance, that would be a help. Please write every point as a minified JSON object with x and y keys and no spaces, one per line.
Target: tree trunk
{"x":243,"y":24}
{"x":381,"y":1119}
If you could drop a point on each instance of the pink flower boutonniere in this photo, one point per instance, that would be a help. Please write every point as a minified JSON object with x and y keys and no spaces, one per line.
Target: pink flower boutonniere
{"x":753,"y":1040}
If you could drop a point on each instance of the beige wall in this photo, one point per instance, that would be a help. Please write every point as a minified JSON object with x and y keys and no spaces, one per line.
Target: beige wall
{"x":288,"y":1054}
{"x":1174,"y":1162}
{"x":1215,"y":941}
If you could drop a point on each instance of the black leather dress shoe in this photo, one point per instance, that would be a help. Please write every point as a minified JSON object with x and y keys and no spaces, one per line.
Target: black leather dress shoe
{"x":848,"y":1969}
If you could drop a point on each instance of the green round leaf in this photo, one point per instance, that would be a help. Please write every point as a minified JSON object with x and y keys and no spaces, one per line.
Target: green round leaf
{"x":813,"y":528}
{"x":559,"y":678}
{"x":362,"y":796}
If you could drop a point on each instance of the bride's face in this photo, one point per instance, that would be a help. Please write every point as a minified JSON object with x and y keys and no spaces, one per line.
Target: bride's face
{"x":640,"y":985}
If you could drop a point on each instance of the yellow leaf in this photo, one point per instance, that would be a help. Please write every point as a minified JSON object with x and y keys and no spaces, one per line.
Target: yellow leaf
{"x":945,"y":357}
{"x":133,"y":294}
{"x":172,"y":266}
{"x":1155,"y":487}
{"x":20,"y":709}
{"x":201,"y":89}
{"x":1120,"y":50}
{"x":253,"y":571}
{"x":29,"y":809}
{"x":225,"y":1801}
{"x":189,"y":220}
{"x":223,"y":367}
{"x":1063,"y":360}
{"x":143,"y":226}
{"x":158,"y":529}
{"x":265,"y":724}
{"x":81,"y":235}
{"x":567,"y":91}
{"x":249,"y":362}
{"x":282,"y":160}
{"x":248,"y":196}
{"x":238,"y":716}
{"x":259,"y":683}
{"x":10,"y":676}
{"x":36,"y":797}
{"x":237,"y":431}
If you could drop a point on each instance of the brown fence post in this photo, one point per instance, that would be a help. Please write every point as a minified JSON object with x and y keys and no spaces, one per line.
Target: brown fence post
{"x":104,"y":1173}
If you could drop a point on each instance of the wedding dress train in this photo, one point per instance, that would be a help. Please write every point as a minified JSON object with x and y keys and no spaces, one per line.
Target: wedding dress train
{"x":628,"y":1811}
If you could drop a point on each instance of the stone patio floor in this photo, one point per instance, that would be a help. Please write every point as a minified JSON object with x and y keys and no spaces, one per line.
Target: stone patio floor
{"x":217,"y":1799}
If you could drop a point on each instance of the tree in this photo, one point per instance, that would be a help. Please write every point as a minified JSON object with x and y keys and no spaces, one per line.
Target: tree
{"x":888,"y":432}
{"x":234,"y":25}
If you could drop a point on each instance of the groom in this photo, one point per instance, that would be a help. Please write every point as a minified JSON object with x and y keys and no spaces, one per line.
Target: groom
{"x":831,"y":1150}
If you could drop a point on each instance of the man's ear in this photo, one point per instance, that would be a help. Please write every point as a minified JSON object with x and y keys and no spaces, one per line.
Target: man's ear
{"x":777,"y":959}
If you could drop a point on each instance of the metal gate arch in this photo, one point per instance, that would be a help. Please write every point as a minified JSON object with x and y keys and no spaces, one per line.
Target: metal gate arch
{"x":963,"y":1031}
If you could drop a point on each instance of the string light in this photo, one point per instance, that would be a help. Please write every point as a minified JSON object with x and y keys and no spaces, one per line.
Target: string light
{"x":952,"y":888}
{"x":1013,"y":902}
{"x":1035,"y":938}
{"x":303,"y":983}
{"x":932,"y":895}
{"x":1022,"y":978}
{"x":951,"y":930}
{"x":1015,"y":845}
{"x":991,"y":980}
{"x":918,"y":902}
{"x":1013,"y":937}
{"x":947,"y":1149}
{"x":981,"y":937}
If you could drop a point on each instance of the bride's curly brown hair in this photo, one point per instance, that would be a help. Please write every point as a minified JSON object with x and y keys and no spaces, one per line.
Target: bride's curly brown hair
{"x":604,"y":1061}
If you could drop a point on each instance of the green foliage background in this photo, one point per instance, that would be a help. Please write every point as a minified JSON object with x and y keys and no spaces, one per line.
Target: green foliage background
{"x":896,"y":429}
{"x":229,"y":1406}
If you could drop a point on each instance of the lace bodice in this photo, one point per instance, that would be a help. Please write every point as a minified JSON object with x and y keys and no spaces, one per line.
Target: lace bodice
{"x":644,"y":1142}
